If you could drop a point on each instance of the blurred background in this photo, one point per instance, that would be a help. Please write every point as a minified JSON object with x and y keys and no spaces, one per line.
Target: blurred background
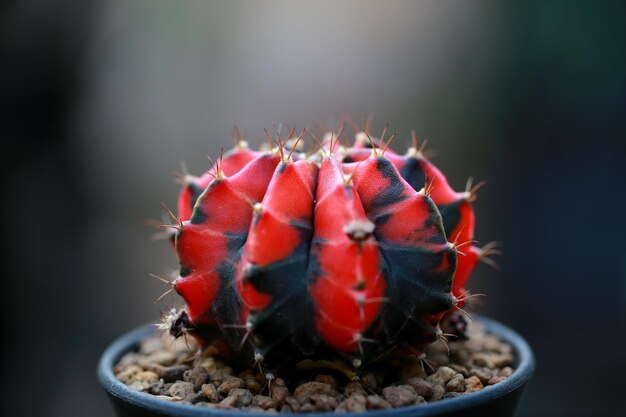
{"x":100,"y":100}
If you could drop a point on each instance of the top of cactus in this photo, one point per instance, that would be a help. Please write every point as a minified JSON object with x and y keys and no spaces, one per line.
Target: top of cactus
{"x":352,"y":250}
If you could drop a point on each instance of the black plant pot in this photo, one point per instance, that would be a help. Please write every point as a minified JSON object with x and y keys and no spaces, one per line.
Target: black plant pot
{"x":499,"y":400}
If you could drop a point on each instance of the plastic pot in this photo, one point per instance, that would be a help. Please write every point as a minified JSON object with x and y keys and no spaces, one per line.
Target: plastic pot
{"x":499,"y":400}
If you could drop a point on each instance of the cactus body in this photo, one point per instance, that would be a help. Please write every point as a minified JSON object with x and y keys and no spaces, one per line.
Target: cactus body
{"x":346,"y":249}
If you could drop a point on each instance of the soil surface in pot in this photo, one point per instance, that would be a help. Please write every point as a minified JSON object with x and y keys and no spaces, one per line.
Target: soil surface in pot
{"x":171,"y":370}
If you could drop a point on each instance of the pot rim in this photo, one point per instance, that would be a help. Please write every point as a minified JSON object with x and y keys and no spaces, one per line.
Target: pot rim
{"x":524,"y":369}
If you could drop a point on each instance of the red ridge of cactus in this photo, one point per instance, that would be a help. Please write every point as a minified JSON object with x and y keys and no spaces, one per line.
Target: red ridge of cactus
{"x":455,"y":207}
{"x":215,"y":233}
{"x":347,"y":285}
{"x":456,"y":211}
{"x":230,"y":163}
{"x":272,"y":280}
{"x":352,"y":249}
{"x":420,"y":260}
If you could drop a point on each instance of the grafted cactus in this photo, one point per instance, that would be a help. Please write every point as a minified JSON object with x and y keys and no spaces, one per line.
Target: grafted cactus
{"x":353,"y":250}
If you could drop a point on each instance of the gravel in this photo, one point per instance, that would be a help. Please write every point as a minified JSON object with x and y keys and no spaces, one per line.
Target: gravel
{"x":400,"y":395}
{"x":172,"y":371}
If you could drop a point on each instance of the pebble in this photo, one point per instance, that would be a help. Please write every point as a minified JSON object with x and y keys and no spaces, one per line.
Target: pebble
{"x":194,"y":398}
{"x":483,"y":374}
{"x":495,"y":380}
{"x":147,"y":376}
{"x":354,"y":388}
{"x":159,"y":388}
{"x":180,"y":390}
{"x":376,"y":402}
{"x":174,"y":373}
{"x":324,"y":402}
{"x":198,"y":376}
{"x":150,"y":366}
{"x":502,"y":360}
{"x":210,"y":392}
{"x":220,"y":373}
{"x":482,"y":359}
{"x":304,"y":392}
{"x":356,"y":403}
{"x":279,"y":391}
{"x":230,"y":384}
{"x":438,"y":392}
{"x":441,"y":376}
{"x":473,"y":384}
{"x":139,"y":386}
{"x":129,"y":359}
{"x":141,"y":381}
{"x":239,"y":397}
{"x":492,"y":360}
{"x":307,"y":408}
{"x":421,"y":387}
{"x":459,"y":369}
{"x":252,"y":384}
{"x":506,"y":371}
{"x":492,"y":343}
{"x":159,"y":370}
{"x":456,"y":384}
{"x":400,"y":395}
{"x":264,"y":402}
{"x":293,"y":403}
{"x":127,"y":375}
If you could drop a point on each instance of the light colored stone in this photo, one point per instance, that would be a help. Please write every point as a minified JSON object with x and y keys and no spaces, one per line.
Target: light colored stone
{"x":438,"y":392}
{"x":400,"y":395}
{"x":456,"y":384}
{"x":210,"y":392}
{"x":473,"y":384}
{"x":441,"y":376}
{"x":180,"y":390}
{"x":230,"y":384}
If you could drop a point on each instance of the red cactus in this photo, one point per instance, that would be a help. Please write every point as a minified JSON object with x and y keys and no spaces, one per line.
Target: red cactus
{"x":351,"y":249}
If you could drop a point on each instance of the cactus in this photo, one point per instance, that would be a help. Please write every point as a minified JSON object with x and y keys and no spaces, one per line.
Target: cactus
{"x":356,"y":251}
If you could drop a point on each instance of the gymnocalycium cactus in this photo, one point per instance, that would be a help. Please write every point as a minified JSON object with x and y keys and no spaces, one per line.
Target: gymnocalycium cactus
{"x":353,"y":250}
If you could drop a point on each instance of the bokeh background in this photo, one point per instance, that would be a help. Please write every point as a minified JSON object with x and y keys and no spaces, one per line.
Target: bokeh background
{"x":100,"y":100}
